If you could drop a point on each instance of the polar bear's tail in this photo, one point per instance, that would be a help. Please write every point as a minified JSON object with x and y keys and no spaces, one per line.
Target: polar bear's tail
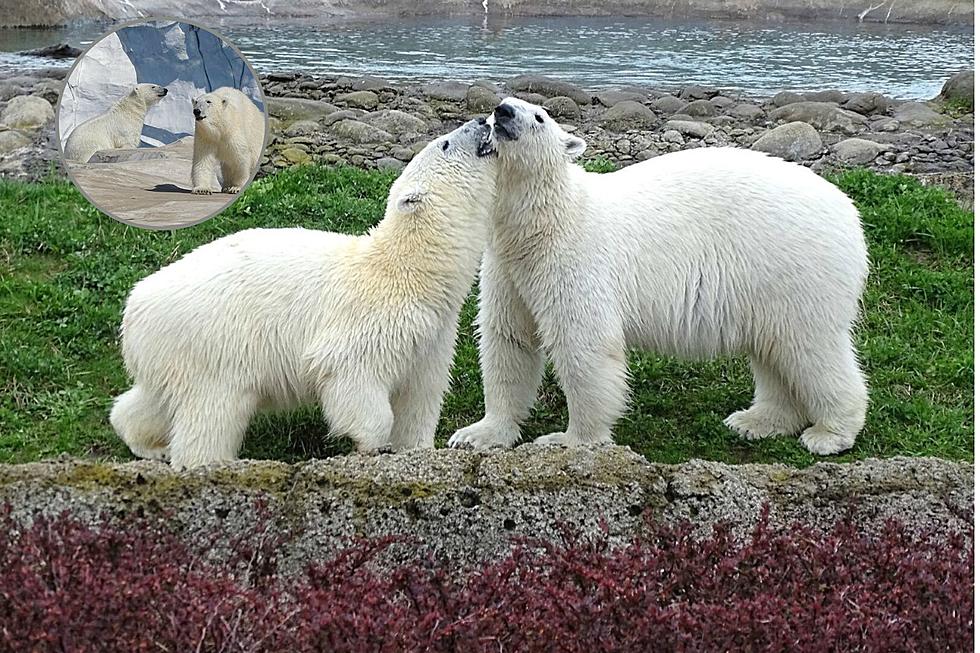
{"x":143,"y":423}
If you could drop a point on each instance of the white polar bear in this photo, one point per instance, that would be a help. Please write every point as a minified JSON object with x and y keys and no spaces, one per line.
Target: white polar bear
{"x":120,"y":127}
{"x":229,"y":132}
{"x":700,"y":253}
{"x":273,"y":318}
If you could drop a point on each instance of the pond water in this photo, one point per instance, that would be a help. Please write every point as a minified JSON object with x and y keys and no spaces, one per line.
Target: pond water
{"x":756,"y":57}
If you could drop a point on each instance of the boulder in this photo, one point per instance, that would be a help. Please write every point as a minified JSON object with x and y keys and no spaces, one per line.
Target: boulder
{"x":825,"y":116}
{"x":628,"y":115}
{"x":365,"y":83}
{"x":290,"y":109}
{"x":367,"y":100}
{"x":344,"y":114}
{"x":668,"y":104}
{"x":26,"y":112}
{"x":294,"y":156}
{"x":837,"y":97}
{"x":395,"y":122}
{"x":446,"y":91}
{"x":689,"y":127}
{"x":959,"y":89}
{"x":783,"y":98}
{"x":480,"y":99}
{"x":698,"y":92}
{"x":793,"y":141}
{"x":359,"y":132}
{"x":612,"y":98}
{"x":867,"y":103}
{"x":49,"y":89}
{"x":303,"y":128}
{"x":562,"y":107}
{"x":857,"y":151}
{"x":721,"y":101}
{"x":11,"y":140}
{"x":699,"y":109}
{"x":746,"y":112}
{"x":919,"y":114}
{"x":60,"y":51}
{"x":548,"y":87}
{"x":390,"y":163}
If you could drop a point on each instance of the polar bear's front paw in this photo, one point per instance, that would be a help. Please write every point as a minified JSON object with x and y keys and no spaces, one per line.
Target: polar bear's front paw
{"x":565,"y":439}
{"x":161,"y":454}
{"x":822,"y":442}
{"x":231,"y":189}
{"x":202,"y":190}
{"x":485,"y":435}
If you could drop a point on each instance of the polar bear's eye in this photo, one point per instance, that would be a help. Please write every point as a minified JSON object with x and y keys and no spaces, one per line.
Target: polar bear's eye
{"x":445,"y":145}
{"x":538,"y":117}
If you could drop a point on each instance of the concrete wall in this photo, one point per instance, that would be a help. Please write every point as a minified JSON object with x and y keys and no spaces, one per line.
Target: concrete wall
{"x":465,"y":507}
{"x":56,"y":12}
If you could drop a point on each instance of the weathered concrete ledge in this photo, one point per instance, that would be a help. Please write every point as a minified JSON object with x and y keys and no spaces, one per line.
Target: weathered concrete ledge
{"x":465,"y":506}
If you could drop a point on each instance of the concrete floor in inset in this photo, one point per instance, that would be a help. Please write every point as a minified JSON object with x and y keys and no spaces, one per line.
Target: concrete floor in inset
{"x":147,"y":187}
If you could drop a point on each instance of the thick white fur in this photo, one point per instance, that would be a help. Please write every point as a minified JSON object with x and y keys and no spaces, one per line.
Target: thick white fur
{"x":699,"y":254}
{"x":273,"y":318}
{"x":120,"y":127}
{"x":229,"y":132}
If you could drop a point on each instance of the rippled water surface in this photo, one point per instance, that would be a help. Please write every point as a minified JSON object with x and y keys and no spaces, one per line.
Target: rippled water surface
{"x":759,"y":58}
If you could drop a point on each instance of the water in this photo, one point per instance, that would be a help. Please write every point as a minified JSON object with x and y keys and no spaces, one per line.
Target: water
{"x":757,"y":58}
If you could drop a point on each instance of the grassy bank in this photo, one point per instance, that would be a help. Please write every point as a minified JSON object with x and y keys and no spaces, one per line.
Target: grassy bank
{"x":65,"y":270}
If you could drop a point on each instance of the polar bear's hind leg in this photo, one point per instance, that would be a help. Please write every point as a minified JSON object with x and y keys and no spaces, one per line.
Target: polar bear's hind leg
{"x":209,"y":426}
{"x":141,"y":421}
{"x":359,"y":408}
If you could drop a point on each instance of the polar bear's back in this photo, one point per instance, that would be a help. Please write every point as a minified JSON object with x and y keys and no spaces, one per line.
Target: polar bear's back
{"x":724,"y":238}
{"x":256,"y":293}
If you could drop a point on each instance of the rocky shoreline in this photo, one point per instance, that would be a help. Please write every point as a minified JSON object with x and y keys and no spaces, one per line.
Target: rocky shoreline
{"x":373,"y":123}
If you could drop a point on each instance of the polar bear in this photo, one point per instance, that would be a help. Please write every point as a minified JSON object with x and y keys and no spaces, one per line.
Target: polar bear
{"x":274,"y":318}
{"x":119,"y":127}
{"x":702,"y":253}
{"x":229,"y":132}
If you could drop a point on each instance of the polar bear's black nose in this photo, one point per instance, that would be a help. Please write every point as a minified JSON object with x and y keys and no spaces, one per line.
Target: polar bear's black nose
{"x":503,"y":112}
{"x":197,"y":113}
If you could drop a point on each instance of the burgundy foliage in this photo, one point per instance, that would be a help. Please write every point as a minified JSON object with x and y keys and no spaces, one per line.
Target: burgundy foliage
{"x":133,"y":586}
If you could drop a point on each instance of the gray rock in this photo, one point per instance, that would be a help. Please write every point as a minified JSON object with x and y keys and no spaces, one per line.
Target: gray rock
{"x":919,"y":114}
{"x":366,"y":83}
{"x":26,"y":112}
{"x":722,"y":101}
{"x":783,"y":98}
{"x":699,"y":109}
{"x":395,"y":121}
{"x":446,"y":91}
{"x":628,"y":115}
{"x":746,"y":112}
{"x":794,"y":141}
{"x":480,"y":99}
{"x":390,"y":163}
{"x":822,"y":115}
{"x":367,"y":100}
{"x":837,"y":97}
{"x":548,"y":87}
{"x":403,"y":153}
{"x":11,"y":140}
{"x":867,"y":103}
{"x":292,"y":109}
{"x":857,"y":151}
{"x":698,"y":92}
{"x":673,"y":136}
{"x":884,"y":125}
{"x":690,"y":127}
{"x":49,"y":89}
{"x":562,"y":107}
{"x":612,"y":98}
{"x":359,"y":132}
{"x":303,"y":128}
{"x":959,"y":89}
{"x":345,"y":114}
{"x":465,"y":507}
{"x":533,"y":98}
{"x":668,"y":104}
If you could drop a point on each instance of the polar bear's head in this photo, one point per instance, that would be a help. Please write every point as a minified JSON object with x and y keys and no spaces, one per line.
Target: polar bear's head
{"x":148,"y":94}
{"x":451,"y":173}
{"x":212,"y":110}
{"x":524,"y":133}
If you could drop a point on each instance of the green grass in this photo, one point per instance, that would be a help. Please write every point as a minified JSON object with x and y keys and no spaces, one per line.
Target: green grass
{"x":65,"y":270}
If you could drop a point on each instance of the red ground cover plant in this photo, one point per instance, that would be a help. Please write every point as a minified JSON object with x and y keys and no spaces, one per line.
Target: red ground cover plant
{"x":133,"y":586}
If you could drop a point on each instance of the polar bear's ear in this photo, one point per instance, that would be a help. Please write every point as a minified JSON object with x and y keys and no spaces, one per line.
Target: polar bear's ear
{"x":409,"y":202}
{"x":574,"y":146}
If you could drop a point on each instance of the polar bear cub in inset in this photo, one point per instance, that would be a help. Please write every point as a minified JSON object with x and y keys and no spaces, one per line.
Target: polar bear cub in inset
{"x":274,"y":318}
{"x":119,"y":128}
{"x":702,"y":253}
{"x":229,"y":132}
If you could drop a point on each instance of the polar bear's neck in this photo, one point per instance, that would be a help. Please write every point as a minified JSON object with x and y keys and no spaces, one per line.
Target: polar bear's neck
{"x":132,"y":106}
{"x":531,"y":200}
{"x":430,"y":259}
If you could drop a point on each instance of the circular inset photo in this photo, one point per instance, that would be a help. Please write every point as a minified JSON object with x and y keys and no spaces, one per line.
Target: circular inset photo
{"x":162,"y":123}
